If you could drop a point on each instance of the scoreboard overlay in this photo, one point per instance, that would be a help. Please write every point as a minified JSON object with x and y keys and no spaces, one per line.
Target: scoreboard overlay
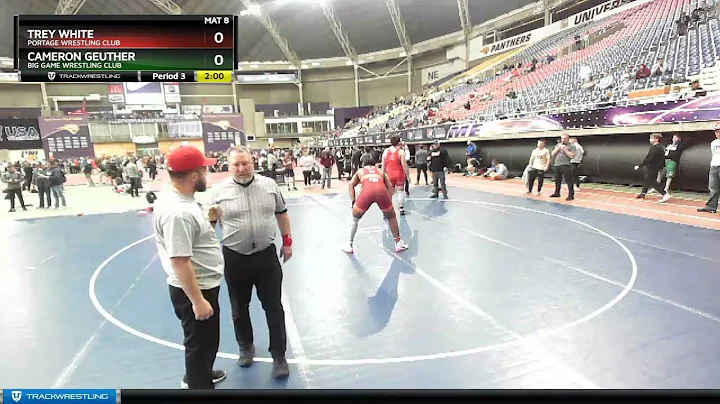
{"x":180,"y":48}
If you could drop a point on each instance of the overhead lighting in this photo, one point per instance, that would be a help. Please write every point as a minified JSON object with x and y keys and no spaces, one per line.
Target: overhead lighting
{"x":304,"y":66}
{"x":254,"y":9}
{"x":253,"y":66}
{"x":244,"y":13}
{"x":316,"y":64}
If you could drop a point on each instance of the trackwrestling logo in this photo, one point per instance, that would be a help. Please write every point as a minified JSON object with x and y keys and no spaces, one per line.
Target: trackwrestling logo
{"x":60,"y":396}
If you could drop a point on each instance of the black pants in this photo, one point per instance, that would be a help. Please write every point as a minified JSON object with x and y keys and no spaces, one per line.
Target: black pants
{"x":27,"y":183}
{"x":576,"y":174}
{"x":201,"y":338}
{"x":307,"y":175}
{"x":339,"y":164}
{"x":263,"y":271}
{"x":421,"y":168}
{"x":44,"y":193}
{"x":153,"y":174}
{"x":651,"y":181}
{"x":135,"y":186}
{"x":564,"y":172}
{"x":11,"y":195}
{"x":535,"y":174}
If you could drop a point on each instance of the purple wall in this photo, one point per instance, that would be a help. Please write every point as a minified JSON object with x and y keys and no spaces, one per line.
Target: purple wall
{"x":343,"y":115}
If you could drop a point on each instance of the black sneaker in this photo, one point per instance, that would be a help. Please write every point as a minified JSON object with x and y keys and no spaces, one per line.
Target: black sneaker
{"x":445,"y":196}
{"x":555,"y":195}
{"x":706,"y":209}
{"x":280,"y":368}
{"x":402,"y":211}
{"x":217,"y":377}
{"x":570,"y":198}
{"x":11,"y":210}
{"x":433,"y":196}
{"x":247,"y":357}
{"x":640,"y":196}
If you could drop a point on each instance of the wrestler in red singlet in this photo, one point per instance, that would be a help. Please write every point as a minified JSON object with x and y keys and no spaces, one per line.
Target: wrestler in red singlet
{"x":393,"y":166}
{"x":376,"y":188}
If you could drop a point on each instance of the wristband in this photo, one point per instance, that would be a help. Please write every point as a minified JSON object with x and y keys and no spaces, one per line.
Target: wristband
{"x":287,"y":240}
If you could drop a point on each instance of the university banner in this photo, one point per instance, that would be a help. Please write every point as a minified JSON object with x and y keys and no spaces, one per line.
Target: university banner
{"x":221,"y":130}
{"x":66,"y":137}
{"x":20,"y":134}
{"x":655,"y":113}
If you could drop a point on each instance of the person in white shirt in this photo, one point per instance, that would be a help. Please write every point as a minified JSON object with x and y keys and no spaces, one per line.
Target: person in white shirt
{"x":659,"y":68}
{"x":498,"y":171}
{"x":576,"y":161}
{"x":714,"y":179}
{"x":585,"y":72}
{"x":606,"y":81}
{"x":307,"y":162}
{"x":539,"y":164}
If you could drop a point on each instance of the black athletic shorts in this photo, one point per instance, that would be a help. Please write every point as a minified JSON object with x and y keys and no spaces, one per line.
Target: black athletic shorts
{"x":289,"y":172}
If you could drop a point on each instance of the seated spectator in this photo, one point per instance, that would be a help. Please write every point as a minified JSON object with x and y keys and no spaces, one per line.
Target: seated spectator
{"x":659,"y":68}
{"x":588,"y":84}
{"x":699,"y":14}
{"x":682,"y":24}
{"x":585,"y":72}
{"x":473,"y":168}
{"x":511,"y":94}
{"x":497,"y":171}
{"x":695,"y":87}
{"x":643,"y":72}
{"x":606,"y":81}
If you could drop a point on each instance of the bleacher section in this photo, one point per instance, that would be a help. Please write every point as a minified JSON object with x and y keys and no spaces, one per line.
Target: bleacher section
{"x":618,"y":46}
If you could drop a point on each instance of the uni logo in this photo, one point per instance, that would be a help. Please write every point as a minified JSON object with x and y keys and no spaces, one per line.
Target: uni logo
{"x":485,"y":50}
{"x":16,"y":395}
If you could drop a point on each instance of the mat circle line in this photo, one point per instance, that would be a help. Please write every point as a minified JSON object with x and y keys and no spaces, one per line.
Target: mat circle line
{"x":405,"y":359}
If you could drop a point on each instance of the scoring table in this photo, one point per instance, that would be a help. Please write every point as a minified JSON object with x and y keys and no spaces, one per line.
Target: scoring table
{"x":165,"y":48}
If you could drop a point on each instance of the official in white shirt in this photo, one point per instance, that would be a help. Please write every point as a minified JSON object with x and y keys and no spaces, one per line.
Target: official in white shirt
{"x":247,"y":208}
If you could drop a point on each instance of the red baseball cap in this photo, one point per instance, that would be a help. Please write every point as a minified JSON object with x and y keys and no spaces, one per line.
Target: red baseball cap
{"x":187,"y":158}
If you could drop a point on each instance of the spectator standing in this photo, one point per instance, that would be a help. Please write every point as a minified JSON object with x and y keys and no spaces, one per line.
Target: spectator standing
{"x":563,"y":152}
{"x":245,"y":206}
{"x":41,"y":180}
{"x":576,"y":161}
{"x":306,"y":162}
{"x":57,"y":179}
{"x":439,"y":162}
{"x":14,"y":181}
{"x":355,"y":160}
{"x":654,"y":162}
{"x":133,"y":174}
{"x":339,"y":163}
{"x":190,"y":255}
{"x":714,"y":178}
{"x":673,"y":152}
{"x":539,"y":164}
{"x":327,"y":161}
{"x":421,"y":160}
{"x":87,"y":170}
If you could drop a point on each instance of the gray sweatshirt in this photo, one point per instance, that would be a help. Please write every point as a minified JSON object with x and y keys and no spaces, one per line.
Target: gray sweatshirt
{"x":13,"y":180}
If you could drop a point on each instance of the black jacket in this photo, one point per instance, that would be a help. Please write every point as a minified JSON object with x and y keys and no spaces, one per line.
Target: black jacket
{"x":655,"y":159}
{"x":673,"y":152}
{"x":439,"y":159}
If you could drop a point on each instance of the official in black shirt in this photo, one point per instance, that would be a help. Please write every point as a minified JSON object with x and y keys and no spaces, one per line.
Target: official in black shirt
{"x":653,"y":163}
{"x":439,"y":162}
{"x":355,"y":160}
